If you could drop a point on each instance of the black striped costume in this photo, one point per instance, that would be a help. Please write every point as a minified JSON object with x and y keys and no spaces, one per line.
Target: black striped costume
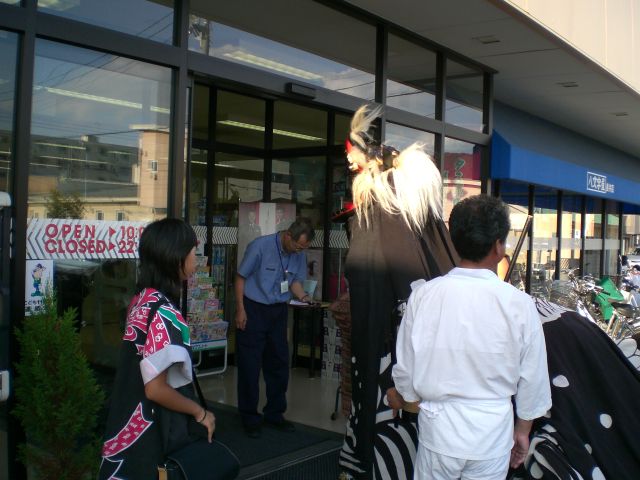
{"x":384,"y":258}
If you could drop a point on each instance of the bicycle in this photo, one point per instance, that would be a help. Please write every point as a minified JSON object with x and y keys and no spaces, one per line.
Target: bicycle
{"x":583,"y":294}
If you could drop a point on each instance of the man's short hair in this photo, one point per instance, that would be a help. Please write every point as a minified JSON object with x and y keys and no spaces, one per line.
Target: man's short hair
{"x":302,"y":226}
{"x":476,"y":223}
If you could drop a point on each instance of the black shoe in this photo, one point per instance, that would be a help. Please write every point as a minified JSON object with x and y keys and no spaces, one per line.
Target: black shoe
{"x":282,"y":426}
{"x":253,"y":431}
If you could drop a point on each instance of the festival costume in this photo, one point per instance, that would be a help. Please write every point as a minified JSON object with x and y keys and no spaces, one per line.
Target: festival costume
{"x":465,"y":363}
{"x":592,"y":429}
{"x":385,"y":256}
{"x":134,"y":441}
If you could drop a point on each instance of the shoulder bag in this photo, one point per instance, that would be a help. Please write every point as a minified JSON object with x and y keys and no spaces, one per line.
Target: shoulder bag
{"x":199,"y":459}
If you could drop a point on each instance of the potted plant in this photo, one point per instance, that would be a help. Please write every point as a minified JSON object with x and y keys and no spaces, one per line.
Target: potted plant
{"x":57,"y":397}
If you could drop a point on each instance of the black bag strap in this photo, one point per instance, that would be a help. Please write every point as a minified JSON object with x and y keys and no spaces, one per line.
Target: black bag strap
{"x":152,"y":313}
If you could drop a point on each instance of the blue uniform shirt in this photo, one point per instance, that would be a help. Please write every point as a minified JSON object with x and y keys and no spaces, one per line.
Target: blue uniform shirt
{"x":265,"y":265}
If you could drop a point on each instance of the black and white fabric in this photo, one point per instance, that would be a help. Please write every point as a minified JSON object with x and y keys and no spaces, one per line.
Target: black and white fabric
{"x":384,"y":258}
{"x":591,"y":431}
{"x":395,"y":440}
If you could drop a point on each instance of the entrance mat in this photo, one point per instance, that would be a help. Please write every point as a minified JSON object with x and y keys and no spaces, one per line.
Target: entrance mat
{"x":318,"y":466}
{"x":274,"y":449}
{"x":319,"y":462}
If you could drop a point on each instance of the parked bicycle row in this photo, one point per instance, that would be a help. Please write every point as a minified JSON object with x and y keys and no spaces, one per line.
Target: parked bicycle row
{"x":613,"y":306}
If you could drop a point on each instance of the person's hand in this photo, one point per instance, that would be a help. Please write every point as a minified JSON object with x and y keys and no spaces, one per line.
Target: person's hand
{"x":241,"y":319}
{"x":396,"y":402}
{"x":519,"y":450}
{"x":209,"y":422}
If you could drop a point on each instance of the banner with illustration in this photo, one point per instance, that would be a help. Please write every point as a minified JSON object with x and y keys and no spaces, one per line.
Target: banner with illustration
{"x":39,"y":278}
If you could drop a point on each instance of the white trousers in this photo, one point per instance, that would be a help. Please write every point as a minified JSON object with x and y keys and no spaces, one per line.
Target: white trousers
{"x":434,"y":466}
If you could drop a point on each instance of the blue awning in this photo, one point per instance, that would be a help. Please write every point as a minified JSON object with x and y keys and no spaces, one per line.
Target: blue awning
{"x":514,"y":162}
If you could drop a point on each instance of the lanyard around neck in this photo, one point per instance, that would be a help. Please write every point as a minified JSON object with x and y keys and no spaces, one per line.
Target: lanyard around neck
{"x":284,"y":270}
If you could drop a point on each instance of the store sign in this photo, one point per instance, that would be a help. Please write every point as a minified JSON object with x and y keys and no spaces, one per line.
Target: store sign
{"x":39,"y":279}
{"x":57,"y":238}
{"x":598,"y":183}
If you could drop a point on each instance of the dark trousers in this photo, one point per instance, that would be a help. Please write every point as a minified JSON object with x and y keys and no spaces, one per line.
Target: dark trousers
{"x":263,"y":345}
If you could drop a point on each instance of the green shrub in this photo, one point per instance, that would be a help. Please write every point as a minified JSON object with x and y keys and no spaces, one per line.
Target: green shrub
{"x":57,"y":397}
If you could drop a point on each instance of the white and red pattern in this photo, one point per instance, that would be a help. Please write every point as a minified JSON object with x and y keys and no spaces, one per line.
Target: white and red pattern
{"x":157,"y":337}
{"x":126,"y":437}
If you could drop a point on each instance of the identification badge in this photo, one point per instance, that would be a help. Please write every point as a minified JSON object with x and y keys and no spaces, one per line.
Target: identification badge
{"x":284,"y":286}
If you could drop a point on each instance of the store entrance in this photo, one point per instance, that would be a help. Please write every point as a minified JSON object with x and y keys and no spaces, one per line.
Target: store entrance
{"x":250,"y":154}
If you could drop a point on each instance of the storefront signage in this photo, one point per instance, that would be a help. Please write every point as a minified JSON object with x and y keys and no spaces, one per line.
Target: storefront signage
{"x":598,"y":183}
{"x":49,"y":238}
{"x":39,"y":279}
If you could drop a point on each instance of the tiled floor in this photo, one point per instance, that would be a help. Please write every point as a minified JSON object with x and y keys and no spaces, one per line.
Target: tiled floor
{"x":310,"y":401}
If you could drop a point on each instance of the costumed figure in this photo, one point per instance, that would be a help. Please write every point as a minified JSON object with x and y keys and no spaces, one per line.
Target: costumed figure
{"x":591,"y":431}
{"x":397,"y":236}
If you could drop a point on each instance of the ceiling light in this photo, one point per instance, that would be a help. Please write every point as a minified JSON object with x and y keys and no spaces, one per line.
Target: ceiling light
{"x":159,"y":110}
{"x":99,"y":98}
{"x":487,"y":39}
{"x":567,"y":84}
{"x":260,"y":128}
{"x":95,"y":98}
{"x":271,"y":65}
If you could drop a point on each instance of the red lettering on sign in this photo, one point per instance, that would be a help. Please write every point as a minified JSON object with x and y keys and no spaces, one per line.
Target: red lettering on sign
{"x":66,"y":229}
{"x":51,"y":230}
{"x":50,"y":246}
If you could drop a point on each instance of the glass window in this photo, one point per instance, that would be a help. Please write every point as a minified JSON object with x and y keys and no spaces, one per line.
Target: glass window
{"x":239,"y":119}
{"x":198,"y":187}
{"x":571,"y":238}
{"x":611,"y":238}
{"x":236,"y":178}
{"x":400,"y":137}
{"x":142,"y":18}
{"x":460,"y":172}
{"x":464,"y":87}
{"x":333,"y":51}
{"x":298,"y":126}
{"x":593,"y":237}
{"x":342,"y":128}
{"x":11,"y":2}
{"x":631,"y":229}
{"x":99,"y":143}
{"x":301,"y":180}
{"x":545,"y":240}
{"x":516,"y":195}
{"x":200,"y":130}
{"x":8,"y":56}
{"x":412,"y":77}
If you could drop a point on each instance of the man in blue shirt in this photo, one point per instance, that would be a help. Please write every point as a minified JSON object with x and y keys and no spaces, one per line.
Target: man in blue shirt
{"x":273,"y":270}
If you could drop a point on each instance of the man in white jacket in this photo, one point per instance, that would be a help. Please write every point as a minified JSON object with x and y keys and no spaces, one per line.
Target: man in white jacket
{"x":467,"y":345}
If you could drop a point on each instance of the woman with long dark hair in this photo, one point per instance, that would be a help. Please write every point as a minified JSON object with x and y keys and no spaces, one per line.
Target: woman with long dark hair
{"x":153,"y":395}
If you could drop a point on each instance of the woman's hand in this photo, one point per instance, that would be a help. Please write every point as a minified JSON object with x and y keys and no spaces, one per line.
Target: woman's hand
{"x":209,"y":422}
{"x":160,"y":392}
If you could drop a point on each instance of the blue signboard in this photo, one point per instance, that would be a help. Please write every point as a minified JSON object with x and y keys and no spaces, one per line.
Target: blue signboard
{"x":512,"y":162}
